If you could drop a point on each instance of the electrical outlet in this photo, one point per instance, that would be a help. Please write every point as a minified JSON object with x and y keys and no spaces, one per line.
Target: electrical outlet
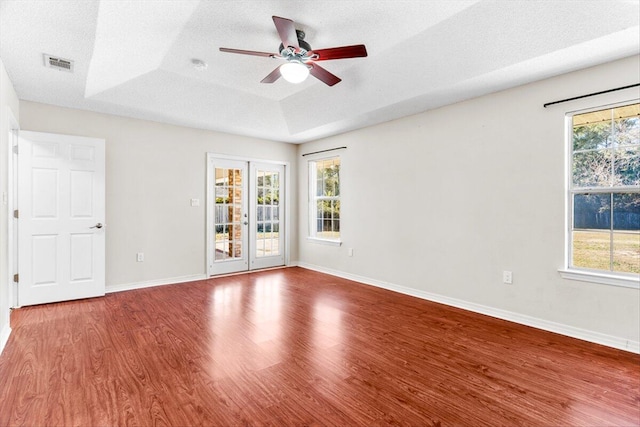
{"x":140,"y":257}
{"x":507,"y":277}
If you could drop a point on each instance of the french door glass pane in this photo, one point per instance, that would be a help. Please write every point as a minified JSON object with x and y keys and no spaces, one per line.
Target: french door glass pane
{"x":228,"y":214}
{"x":267,"y":218}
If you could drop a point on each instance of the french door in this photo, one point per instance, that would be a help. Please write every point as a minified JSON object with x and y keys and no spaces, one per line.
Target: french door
{"x":245,"y":215}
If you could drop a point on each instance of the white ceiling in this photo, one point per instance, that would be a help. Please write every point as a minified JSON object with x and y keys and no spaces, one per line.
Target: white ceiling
{"x":133,"y":58}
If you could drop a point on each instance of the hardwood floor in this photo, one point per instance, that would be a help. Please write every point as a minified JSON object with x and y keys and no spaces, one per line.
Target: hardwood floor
{"x":297,"y":347}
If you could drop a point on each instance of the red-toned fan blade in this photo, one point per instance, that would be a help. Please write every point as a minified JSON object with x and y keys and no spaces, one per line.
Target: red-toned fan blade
{"x":355,"y":51}
{"x":272,"y":77}
{"x":323,"y":75}
{"x":286,"y":31}
{"x":248,"y":52}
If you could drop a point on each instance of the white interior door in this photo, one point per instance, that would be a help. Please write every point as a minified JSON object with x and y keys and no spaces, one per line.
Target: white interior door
{"x":245,"y":215}
{"x":61,"y":203}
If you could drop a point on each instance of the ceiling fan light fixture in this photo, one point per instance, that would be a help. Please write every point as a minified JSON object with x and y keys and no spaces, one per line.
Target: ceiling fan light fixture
{"x":294,"y":72}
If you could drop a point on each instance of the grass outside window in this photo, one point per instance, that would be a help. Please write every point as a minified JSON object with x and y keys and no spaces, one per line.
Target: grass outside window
{"x":592,"y":250}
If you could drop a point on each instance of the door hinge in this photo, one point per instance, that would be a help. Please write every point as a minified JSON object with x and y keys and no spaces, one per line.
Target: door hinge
{"x":16,"y":278}
{"x":15,"y":149}
{"x":16,"y":214}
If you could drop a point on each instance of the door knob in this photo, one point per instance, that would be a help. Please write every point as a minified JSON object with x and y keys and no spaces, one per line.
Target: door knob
{"x":246,"y":223}
{"x":98,"y":225}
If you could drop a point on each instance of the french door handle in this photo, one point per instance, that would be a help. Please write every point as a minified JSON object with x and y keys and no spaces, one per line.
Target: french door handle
{"x":98,"y":225}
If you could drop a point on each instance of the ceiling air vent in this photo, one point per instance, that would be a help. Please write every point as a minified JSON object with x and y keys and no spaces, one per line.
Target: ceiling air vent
{"x":61,"y":64}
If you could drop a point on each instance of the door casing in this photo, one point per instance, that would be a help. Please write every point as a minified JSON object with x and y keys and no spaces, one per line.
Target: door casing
{"x":12,"y":203}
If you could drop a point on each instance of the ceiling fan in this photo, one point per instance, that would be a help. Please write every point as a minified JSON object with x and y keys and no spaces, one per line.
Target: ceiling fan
{"x":300,"y":59}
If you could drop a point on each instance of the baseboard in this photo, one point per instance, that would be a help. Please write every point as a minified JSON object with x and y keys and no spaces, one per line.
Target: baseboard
{"x":152,"y":283}
{"x":4,"y":336}
{"x":559,"y":328}
{"x":182,"y":279}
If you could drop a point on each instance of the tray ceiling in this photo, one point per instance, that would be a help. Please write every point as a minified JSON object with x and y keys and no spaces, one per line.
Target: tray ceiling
{"x":134,"y":58}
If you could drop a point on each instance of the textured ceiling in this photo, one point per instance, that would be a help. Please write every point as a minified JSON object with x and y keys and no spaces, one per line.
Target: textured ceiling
{"x":133,"y":58}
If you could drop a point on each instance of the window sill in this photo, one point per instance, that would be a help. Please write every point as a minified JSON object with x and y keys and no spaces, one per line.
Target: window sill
{"x":324,"y":241}
{"x":602,"y":278}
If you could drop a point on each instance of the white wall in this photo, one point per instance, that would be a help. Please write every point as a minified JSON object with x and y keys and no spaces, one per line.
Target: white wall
{"x":152,"y":172}
{"x":440,"y":203}
{"x":435,"y":204}
{"x":8,"y":116}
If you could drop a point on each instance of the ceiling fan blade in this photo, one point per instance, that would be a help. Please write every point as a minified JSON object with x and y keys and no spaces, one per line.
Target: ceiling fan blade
{"x":323,"y":75}
{"x":286,"y":31}
{"x":248,"y":52}
{"x":272,"y":77}
{"x":343,"y":52}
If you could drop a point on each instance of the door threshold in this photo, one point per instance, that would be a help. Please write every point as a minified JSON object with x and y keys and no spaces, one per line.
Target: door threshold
{"x":215,"y":276}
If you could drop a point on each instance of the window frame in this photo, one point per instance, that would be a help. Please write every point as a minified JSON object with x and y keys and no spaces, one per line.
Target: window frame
{"x":313,"y":199}
{"x":569,"y":271}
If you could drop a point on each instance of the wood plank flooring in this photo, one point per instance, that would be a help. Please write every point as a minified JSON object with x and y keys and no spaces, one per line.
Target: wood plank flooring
{"x":297,"y":347}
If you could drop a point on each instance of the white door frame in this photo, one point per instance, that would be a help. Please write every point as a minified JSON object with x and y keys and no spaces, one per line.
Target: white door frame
{"x":12,"y":202}
{"x":210,"y":201}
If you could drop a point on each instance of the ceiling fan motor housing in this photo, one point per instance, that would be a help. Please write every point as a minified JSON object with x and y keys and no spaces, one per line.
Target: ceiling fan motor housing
{"x":303,"y":44}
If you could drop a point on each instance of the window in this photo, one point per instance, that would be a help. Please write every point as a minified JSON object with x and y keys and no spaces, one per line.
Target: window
{"x":604,"y":192}
{"x":324,"y":199}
